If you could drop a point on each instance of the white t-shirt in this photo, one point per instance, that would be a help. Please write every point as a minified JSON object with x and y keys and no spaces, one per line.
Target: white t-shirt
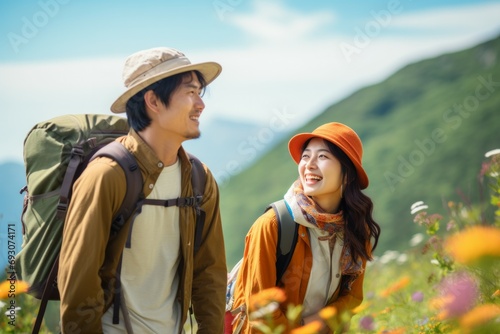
{"x":149,"y":269}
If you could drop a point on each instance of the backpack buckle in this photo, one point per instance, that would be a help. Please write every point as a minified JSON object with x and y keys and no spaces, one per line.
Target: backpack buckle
{"x":194,"y":201}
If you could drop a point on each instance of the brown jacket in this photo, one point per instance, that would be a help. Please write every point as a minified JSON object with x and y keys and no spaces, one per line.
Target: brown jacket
{"x":89,"y":257}
{"x":258,"y":272}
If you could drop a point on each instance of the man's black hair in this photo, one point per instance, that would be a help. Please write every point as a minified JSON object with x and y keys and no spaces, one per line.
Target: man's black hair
{"x":137,"y":116}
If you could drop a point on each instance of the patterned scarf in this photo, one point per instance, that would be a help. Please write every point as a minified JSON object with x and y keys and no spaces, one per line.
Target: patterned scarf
{"x":306,"y":213}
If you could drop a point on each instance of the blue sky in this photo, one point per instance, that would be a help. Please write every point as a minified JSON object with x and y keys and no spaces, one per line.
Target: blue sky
{"x":292,"y":57}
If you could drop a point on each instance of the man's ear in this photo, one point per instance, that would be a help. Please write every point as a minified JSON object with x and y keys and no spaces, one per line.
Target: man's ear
{"x":151,"y":101}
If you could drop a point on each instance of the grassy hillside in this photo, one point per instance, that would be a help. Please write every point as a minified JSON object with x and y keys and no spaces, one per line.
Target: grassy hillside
{"x":425,"y":130}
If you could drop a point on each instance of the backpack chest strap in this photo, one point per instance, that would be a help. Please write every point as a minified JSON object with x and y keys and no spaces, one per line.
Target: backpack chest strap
{"x":179,"y":201}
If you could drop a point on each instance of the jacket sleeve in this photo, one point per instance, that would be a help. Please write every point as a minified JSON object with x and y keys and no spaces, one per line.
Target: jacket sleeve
{"x":97,"y":195}
{"x":210,"y":270}
{"x":258,"y":268}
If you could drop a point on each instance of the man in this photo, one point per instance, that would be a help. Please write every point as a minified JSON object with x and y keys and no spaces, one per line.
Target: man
{"x":160,"y":274}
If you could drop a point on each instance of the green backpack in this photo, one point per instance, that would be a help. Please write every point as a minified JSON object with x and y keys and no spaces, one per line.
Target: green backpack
{"x":55,"y":154}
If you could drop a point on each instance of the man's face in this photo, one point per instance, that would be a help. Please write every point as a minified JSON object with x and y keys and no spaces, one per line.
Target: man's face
{"x":181,"y":116}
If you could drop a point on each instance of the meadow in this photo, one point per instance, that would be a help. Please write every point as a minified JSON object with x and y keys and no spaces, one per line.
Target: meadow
{"x":447,"y":281}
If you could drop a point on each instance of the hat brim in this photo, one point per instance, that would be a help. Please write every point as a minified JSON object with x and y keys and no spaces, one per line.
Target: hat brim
{"x":209,"y":70}
{"x":297,"y":142}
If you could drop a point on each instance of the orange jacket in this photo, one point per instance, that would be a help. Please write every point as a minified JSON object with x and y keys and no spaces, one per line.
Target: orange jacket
{"x":258,"y":272}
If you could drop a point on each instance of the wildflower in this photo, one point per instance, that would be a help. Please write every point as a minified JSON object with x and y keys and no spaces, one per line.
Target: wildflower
{"x":418,"y":206}
{"x":492,"y":153}
{"x":451,"y":225}
{"x":363,"y":306}
{"x":369,"y":295}
{"x":458,"y":294}
{"x":12,"y":311}
{"x":402,"y":258}
{"x":474,"y":243}
{"x":402,"y":283}
{"x":416,"y":239}
{"x":388,"y":256}
{"x":367,"y":323}
{"x":431,"y":222}
{"x":266,"y":301}
{"x":311,"y":328}
{"x":328,"y":312}
{"x":330,"y":316}
{"x":480,"y":315}
{"x":12,"y":286}
{"x":417,"y":296}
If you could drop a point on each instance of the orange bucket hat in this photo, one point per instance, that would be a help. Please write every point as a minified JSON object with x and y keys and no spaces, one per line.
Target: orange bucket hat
{"x":339,"y":134}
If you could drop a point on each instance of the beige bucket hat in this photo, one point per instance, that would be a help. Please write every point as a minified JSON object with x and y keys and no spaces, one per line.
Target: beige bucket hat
{"x":148,"y":66}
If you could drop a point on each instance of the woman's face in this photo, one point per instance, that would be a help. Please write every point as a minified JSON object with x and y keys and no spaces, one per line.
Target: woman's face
{"x":321,"y":175}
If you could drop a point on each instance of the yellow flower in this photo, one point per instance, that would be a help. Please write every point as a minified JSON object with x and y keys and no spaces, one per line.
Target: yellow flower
{"x":361,"y":307}
{"x":480,"y":315}
{"x":402,"y":283}
{"x":311,"y":328}
{"x":474,"y":243}
{"x":11,"y":288}
{"x":328,"y":312}
{"x":496,"y":294}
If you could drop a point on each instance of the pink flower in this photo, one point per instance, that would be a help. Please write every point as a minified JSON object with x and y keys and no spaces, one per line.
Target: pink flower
{"x":367,"y":323}
{"x":459,"y":293}
{"x":417,"y":296}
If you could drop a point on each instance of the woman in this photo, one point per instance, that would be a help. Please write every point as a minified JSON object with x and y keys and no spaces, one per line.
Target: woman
{"x":336,"y":234}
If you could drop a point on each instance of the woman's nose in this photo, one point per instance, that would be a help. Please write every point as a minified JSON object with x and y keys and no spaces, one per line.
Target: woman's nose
{"x":311,"y":163}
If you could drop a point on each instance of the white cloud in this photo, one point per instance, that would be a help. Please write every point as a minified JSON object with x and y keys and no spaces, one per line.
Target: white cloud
{"x":274,"y":21}
{"x":292,"y":68}
{"x":469,"y":18}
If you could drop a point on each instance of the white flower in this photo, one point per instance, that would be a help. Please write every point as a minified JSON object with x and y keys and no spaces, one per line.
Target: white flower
{"x":414,"y":205}
{"x":10,"y":311}
{"x":418,"y":206}
{"x":492,"y":152}
{"x":2,"y":304}
{"x":434,"y":261}
{"x":416,"y":239}
{"x":388,"y":256}
{"x":402,"y":258}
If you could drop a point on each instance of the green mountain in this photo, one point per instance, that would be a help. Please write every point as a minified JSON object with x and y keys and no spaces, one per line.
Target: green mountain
{"x":425,"y":130}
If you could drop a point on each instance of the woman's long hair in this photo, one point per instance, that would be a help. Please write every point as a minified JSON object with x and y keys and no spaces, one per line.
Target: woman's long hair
{"x":360,"y":226}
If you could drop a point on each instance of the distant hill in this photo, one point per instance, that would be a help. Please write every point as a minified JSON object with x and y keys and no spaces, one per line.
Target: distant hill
{"x":425,"y":130}
{"x":228,"y":146}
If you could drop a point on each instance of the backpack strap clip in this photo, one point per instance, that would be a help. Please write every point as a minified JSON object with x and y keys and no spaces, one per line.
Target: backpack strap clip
{"x":194,"y":201}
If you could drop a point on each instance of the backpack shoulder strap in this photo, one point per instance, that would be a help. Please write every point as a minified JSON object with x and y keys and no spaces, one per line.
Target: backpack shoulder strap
{"x":287,"y":237}
{"x":126,"y":160}
{"x":198,"y":180}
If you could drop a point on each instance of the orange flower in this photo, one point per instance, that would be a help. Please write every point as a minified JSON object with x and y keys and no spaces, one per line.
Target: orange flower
{"x":311,"y":328}
{"x":480,"y":315}
{"x":266,"y":297}
{"x":474,"y":243}
{"x":402,"y":283}
{"x":11,"y":288}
